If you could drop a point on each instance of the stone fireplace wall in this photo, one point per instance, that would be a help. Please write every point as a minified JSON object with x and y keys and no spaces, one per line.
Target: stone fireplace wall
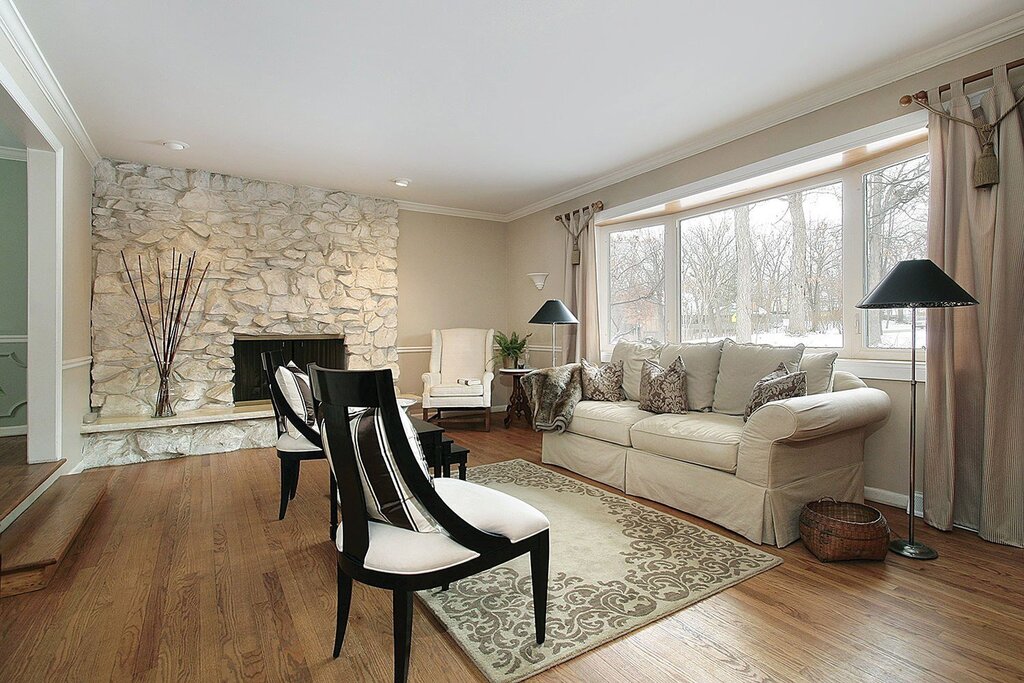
{"x":283,"y":259}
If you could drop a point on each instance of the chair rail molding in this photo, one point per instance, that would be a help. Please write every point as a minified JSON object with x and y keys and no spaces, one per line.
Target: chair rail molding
{"x":13,"y":154}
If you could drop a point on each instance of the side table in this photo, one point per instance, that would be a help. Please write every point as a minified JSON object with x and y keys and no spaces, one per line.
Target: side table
{"x":518,"y":406}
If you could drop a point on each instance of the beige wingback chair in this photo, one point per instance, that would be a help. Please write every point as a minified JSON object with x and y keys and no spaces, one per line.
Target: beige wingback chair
{"x":459,"y":353}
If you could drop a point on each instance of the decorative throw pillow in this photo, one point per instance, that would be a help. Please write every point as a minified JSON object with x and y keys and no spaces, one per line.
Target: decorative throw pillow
{"x":602,"y":383}
{"x":388,"y":498}
{"x":778,"y":385}
{"x":663,"y":390}
{"x":294,"y":385}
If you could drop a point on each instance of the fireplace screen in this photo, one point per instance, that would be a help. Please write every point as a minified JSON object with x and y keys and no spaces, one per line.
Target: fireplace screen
{"x":250,"y":381}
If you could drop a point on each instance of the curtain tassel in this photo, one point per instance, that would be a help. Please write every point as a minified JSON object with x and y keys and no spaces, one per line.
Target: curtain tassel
{"x":986,"y":168}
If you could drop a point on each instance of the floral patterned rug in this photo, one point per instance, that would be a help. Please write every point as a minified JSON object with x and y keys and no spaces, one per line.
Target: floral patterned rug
{"x":616,"y":565}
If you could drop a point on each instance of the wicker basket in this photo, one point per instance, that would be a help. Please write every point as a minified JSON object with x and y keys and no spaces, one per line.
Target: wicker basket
{"x":834,"y":531}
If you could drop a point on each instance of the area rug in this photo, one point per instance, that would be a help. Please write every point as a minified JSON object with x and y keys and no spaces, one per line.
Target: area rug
{"x":616,"y":565}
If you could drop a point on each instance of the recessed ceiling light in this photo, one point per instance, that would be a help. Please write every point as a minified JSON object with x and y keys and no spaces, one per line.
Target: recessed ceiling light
{"x":401,"y":182}
{"x":176,"y":145}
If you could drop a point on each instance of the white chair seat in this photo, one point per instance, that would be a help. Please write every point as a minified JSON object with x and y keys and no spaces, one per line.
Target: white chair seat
{"x":441,"y":390}
{"x":490,"y":510}
{"x":292,"y":444}
{"x":400,"y":551}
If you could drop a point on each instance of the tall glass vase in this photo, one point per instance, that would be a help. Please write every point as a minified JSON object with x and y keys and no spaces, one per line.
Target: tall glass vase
{"x":163,"y":397}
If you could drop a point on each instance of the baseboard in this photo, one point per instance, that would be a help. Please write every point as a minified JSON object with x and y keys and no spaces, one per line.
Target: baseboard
{"x":897,"y":500}
{"x":16,"y":430}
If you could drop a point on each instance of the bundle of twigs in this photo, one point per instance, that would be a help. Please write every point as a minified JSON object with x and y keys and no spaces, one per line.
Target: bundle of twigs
{"x":165,"y":327}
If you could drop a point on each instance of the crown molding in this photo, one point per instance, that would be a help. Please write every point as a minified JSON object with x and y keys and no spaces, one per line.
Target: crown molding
{"x":14,"y":27}
{"x":452,"y":211}
{"x":13,"y":154}
{"x":890,"y":73}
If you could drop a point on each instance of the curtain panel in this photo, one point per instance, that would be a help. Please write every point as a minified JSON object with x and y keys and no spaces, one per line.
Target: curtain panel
{"x":974,"y":463}
{"x":583,"y":340}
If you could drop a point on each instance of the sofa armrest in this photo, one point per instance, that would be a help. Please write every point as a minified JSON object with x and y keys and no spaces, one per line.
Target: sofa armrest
{"x":801,"y":422}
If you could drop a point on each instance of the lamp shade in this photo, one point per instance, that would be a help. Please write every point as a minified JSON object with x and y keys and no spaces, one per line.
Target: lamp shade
{"x":917,"y":283}
{"x":553,"y":312}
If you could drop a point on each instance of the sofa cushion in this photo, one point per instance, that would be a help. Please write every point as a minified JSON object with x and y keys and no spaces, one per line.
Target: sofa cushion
{"x":742,"y":366}
{"x":633,"y":355}
{"x":708,"y":439}
{"x":456,"y":389}
{"x":819,"y":368}
{"x":606,"y":420}
{"x":701,"y":361}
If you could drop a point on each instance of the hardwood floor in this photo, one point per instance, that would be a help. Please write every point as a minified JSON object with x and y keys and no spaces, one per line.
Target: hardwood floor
{"x":185,"y":573}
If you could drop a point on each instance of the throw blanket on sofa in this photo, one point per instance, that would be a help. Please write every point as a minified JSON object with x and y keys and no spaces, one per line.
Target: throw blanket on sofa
{"x":553,"y":394}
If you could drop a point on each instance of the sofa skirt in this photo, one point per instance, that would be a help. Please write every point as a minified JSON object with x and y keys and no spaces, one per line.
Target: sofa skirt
{"x":760,"y":514}
{"x":598,"y":460}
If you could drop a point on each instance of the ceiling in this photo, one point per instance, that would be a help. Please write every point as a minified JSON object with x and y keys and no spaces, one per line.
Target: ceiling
{"x":486,"y":106}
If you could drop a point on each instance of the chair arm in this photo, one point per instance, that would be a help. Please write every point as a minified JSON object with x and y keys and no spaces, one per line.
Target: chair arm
{"x":487,"y":380}
{"x":802,"y":420}
{"x":430,"y":379}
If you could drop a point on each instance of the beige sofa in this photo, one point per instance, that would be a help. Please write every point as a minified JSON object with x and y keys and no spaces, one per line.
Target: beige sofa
{"x":751,"y":477}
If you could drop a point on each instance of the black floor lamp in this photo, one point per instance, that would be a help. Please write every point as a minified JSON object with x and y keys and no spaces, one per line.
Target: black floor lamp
{"x":553,"y":312}
{"x":915,"y":284}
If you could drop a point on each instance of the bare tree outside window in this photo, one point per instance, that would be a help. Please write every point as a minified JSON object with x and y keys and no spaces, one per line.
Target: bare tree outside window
{"x":636,"y":279}
{"x":896,"y":217}
{"x":766,"y":272}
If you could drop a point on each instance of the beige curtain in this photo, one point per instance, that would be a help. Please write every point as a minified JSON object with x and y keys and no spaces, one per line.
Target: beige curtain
{"x":974,"y":465}
{"x":583,"y":340}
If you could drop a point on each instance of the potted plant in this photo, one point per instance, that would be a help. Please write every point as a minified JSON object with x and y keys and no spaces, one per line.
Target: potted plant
{"x":511,"y":349}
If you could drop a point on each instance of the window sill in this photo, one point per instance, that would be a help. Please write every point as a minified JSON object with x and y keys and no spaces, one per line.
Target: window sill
{"x":892,"y":370}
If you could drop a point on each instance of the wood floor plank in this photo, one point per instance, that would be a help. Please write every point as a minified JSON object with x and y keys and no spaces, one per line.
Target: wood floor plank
{"x":185,"y":573}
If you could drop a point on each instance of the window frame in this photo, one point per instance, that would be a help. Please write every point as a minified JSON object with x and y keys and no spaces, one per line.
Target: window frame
{"x":854,"y":261}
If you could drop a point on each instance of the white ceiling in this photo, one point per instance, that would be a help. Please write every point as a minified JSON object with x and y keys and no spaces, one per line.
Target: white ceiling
{"x":486,"y":106}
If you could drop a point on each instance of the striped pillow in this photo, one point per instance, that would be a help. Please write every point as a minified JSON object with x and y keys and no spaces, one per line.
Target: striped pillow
{"x":295,"y":387}
{"x":388,"y":497}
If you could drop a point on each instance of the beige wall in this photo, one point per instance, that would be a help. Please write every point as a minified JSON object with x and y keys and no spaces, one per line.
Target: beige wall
{"x":452,"y":272}
{"x":77,"y":262}
{"x":536,"y":241}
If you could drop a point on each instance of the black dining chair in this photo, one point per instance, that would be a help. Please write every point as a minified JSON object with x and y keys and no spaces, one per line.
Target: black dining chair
{"x":292,"y":449}
{"x":482,"y":527}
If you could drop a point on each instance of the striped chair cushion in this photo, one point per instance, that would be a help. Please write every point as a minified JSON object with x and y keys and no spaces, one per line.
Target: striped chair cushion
{"x":388,"y":498}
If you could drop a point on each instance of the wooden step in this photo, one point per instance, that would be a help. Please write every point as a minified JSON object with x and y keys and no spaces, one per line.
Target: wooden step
{"x":18,"y":479}
{"x":32,"y":548}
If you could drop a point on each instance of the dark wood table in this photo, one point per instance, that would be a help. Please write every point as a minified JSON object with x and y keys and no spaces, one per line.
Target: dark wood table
{"x":441,"y":451}
{"x":518,"y":406}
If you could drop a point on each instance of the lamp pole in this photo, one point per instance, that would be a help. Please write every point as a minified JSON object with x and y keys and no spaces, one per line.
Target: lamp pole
{"x":909,"y":548}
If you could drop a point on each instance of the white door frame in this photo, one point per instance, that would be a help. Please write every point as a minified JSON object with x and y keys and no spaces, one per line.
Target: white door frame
{"x":45,"y":169}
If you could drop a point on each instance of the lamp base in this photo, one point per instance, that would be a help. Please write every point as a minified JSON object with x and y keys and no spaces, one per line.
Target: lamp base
{"x":915,"y":551}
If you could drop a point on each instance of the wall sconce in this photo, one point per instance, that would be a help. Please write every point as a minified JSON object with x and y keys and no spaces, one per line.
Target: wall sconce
{"x":538,"y":279}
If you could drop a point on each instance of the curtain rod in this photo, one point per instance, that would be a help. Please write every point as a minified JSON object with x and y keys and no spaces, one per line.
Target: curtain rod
{"x":922,"y":95}
{"x":596,"y":206}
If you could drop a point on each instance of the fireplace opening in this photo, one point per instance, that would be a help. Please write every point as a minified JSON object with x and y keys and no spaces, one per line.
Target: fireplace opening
{"x":250,"y":382}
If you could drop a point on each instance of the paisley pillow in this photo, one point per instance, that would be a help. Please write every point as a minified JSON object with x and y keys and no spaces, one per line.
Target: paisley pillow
{"x":602,"y":383}
{"x":776,"y":386}
{"x":663,"y":390}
